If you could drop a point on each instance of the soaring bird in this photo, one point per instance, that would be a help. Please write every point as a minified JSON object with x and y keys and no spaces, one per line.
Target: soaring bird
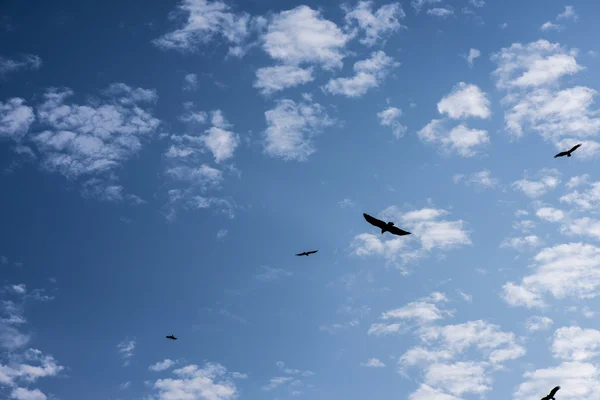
{"x":171,"y":337}
{"x":552,"y":394}
{"x":307,"y":253}
{"x":567,"y":153}
{"x":389,"y":227}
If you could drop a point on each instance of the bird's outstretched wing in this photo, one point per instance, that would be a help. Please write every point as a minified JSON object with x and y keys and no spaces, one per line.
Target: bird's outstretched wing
{"x":300,"y":254}
{"x":397,"y":231}
{"x":374,"y":221}
{"x":312,"y":252}
{"x":561,"y":154}
{"x":553,"y":391}
{"x":575,"y":148}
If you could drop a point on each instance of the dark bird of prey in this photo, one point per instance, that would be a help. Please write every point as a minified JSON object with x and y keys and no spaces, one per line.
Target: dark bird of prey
{"x":552,"y":394}
{"x":389,"y":227}
{"x":171,"y":337}
{"x":307,"y":253}
{"x":568,"y":153}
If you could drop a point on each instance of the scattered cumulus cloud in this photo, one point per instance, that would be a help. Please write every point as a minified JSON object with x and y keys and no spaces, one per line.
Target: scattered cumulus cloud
{"x":373,"y":363}
{"x":390,"y":117}
{"x":440,"y":12}
{"x":291,"y":127}
{"x":376,"y":25}
{"x":473,"y":54}
{"x":369,"y":74}
{"x":273,"y":79}
{"x":25,"y":62}
{"x":538,"y":323}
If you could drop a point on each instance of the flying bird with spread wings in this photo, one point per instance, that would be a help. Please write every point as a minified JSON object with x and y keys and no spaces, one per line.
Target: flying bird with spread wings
{"x":552,"y":394}
{"x":567,"y":153}
{"x":389,"y":227}
{"x":307,"y":253}
{"x":171,"y":337}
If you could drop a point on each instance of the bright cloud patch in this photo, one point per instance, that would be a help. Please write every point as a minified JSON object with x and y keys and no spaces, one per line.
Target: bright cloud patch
{"x":426,"y":225}
{"x":570,"y":270}
{"x":206,"y":20}
{"x":302,"y":35}
{"x":465,"y":101}
{"x":549,"y":179}
{"x":291,"y":127}
{"x":192,"y":382}
{"x":390,"y":117}
{"x":376,"y":24}
{"x":15,"y":118}
{"x":369,"y":74}
{"x":461,"y":139}
{"x":273,"y":79}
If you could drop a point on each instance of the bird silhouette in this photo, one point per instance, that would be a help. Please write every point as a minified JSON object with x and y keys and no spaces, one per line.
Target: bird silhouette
{"x":567,"y":153}
{"x":307,"y":253}
{"x":171,"y":337}
{"x":552,"y":394}
{"x":389,"y":227}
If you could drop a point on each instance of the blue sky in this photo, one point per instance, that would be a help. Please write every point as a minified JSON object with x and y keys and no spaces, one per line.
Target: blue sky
{"x":162,"y":164}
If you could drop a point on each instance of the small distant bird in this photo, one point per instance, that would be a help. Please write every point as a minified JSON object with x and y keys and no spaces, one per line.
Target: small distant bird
{"x":171,"y":337}
{"x":552,"y":394}
{"x":568,"y":153}
{"x":306,"y":253}
{"x":389,"y":227}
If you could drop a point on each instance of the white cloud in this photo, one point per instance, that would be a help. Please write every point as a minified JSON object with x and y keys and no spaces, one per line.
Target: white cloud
{"x":464,"y":101}
{"x":126,"y":349}
{"x":426,"y":392}
{"x":538,"y":323}
{"x":95,"y":139}
{"x":533,"y":65}
{"x":24,"y":368}
{"x":291,"y":127}
{"x":27,"y":61}
{"x":15,"y":118}
{"x":221,"y":233}
{"x":206,"y":20}
{"x":586,"y":200}
{"x":424,"y":224}
{"x":274,"y":383}
{"x":550,"y":26}
{"x":449,"y":368}
{"x":418,"y":4}
{"x":473,"y":54}
{"x":125,"y":385}
{"x":576,"y":344}
{"x":550,"y":214}
{"x":273,"y":79}
{"x":522,"y":243}
{"x":26,"y":394}
{"x":459,"y":378}
{"x":466,"y":297}
{"x":346,"y":203}
{"x":384,"y":329}
{"x":461,"y":140}
{"x":390,"y":117}
{"x":477,"y":3}
{"x":576,"y":181}
{"x":302,"y":35}
{"x":191,"y":382}
{"x":187,"y":169}
{"x":577,"y":381}
{"x":569,"y":13}
{"x":549,"y":179}
{"x":190,"y":83}
{"x":440,"y":12}
{"x":369,"y":73}
{"x":373,"y":363}
{"x":161,"y":365}
{"x":382,"y":22}
{"x":272,"y":274}
{"x":482,"y":178}
{"x":570,"y":270}
{"x":423,"y":311}
{"x":221,"y":142}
